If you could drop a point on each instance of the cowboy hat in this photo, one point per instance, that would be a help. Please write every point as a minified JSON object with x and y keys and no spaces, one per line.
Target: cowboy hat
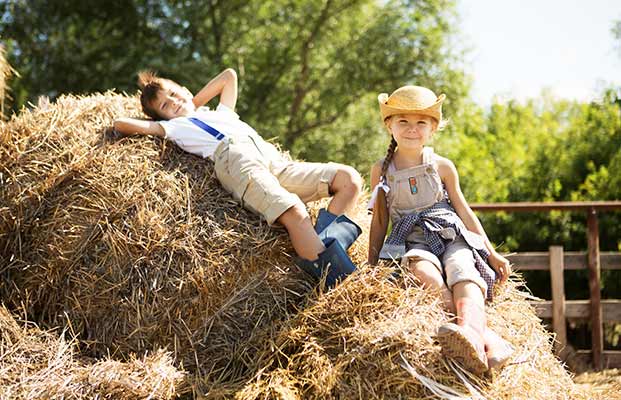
{"x":411,"y":100}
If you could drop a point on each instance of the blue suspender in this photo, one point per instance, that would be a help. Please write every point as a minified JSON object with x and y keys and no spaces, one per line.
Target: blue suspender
{"x":209,"y":129}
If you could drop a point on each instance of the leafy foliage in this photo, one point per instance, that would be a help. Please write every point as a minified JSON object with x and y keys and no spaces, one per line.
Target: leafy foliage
{"x":302,"y":64}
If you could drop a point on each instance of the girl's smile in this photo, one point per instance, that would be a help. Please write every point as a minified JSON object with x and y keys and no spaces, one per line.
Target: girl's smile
{"x":411,"y":129}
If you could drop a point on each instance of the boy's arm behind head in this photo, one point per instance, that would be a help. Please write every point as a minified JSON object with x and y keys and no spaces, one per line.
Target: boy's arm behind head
{"x":223,"y":85}
{"x":134,"y":126}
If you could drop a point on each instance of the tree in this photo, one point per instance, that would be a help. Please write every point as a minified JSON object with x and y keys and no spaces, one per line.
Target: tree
{"x":304,"y":65}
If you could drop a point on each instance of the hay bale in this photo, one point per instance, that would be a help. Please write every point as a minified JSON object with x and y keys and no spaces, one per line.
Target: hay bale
{"x":36,"y":364}
{"x":135,"y":243}
{"x":373,"y":338}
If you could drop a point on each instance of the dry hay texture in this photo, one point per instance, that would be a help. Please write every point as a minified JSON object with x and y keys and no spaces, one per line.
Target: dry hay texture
{"x":606,"y":383}
{"x":36,"y":365}
{"x":132,"y":246}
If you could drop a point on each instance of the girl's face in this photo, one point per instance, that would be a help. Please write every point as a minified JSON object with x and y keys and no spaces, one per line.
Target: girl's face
{"x":411,"y":130}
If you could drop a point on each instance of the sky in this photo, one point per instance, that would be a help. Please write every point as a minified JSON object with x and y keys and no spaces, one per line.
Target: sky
{"x":520,"y":47}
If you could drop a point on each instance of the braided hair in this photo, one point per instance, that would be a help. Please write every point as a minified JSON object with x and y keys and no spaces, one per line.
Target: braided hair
{"x":389,"y":155}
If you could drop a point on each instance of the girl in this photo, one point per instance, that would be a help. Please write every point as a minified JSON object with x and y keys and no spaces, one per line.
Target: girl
{"x":435,"y":233}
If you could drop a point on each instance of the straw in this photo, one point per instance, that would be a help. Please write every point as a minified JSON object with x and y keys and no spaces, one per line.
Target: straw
{"x":36,"y":364}
{"x":132,"y":246}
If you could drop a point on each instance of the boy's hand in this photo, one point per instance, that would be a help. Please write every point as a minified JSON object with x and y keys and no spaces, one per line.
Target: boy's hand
{"x":223,"y":85}
{"x":500,"y":264}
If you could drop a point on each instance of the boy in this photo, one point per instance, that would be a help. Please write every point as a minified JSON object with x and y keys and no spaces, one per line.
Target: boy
{"x":254,"y":171}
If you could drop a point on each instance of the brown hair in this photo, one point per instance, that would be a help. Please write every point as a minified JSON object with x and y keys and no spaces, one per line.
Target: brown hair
{"x":150,"y":85}
{"x":389,"y":154}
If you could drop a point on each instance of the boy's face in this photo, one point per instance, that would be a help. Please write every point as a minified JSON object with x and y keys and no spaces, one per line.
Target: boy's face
{"x":173,"y":101}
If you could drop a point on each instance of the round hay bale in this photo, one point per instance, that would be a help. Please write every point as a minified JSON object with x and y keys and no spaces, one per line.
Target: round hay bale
{"x":134,"y":242}
{"x":38,"y":365}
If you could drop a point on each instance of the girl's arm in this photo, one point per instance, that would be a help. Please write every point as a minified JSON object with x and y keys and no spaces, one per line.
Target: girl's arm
{"x":134,"y":126}
{"x":450,"y":177}
{"x":379,"y":222}
{"x":224,"y":84}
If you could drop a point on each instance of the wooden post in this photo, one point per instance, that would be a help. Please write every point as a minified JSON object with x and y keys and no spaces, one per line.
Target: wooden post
{"x":597,"y":339}
{"x":557,"y":267}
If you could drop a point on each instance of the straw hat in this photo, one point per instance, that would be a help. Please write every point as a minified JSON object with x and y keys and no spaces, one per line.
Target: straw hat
{"x":409,"y":100}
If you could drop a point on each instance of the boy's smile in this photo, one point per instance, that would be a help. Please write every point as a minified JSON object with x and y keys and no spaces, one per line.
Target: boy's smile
{"x":173,"y":101}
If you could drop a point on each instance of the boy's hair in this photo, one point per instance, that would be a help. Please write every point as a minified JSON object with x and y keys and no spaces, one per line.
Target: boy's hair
{"x":150,"y":85}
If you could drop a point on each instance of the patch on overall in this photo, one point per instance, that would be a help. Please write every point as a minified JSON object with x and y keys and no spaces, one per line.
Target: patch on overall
{"x":413,"y":187}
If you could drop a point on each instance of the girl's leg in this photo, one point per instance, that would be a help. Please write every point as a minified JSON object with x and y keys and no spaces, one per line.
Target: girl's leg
{"x":345,"y":189}
{"x":305,"y":241}
{"x":431,"y":278}
{"x":464,"y":341}
{"x":497,"y":349}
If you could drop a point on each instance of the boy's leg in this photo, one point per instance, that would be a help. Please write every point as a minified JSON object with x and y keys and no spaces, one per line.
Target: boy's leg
{"x":345,"y":188}
{"x":305,"y":240}
{"x":242,"y":171}
{"x":314,"y":181}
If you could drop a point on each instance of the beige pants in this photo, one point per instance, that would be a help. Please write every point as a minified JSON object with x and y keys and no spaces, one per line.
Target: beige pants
{"x":264,"y":181}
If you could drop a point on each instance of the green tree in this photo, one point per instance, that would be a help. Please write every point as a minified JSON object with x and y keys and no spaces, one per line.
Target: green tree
{"x":62,"y":46}
{"x":305,"y":66}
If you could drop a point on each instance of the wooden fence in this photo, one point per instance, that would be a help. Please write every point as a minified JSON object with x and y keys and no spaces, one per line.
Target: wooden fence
{"x":556,"y":260}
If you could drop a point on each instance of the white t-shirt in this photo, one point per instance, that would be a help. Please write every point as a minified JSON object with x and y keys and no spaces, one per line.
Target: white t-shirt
{"x":195,"y":140}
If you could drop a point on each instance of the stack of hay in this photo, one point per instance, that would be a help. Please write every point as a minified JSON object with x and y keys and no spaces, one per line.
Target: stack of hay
{"x":134,"y":245}
{"x":373,"y":337}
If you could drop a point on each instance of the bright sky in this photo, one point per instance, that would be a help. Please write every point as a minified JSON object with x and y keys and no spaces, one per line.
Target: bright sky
{"x":520,"y":47}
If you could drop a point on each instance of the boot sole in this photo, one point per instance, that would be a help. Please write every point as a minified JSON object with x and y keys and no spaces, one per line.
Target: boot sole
{"x":457,"y":347}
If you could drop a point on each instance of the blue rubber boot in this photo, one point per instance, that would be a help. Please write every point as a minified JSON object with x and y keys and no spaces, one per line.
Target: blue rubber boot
{"x":324,"y":218}
{"x":331,"y":227}
{"x":334,"y":260}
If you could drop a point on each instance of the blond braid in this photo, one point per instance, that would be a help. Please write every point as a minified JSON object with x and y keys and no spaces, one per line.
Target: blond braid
{"x":389,"y":154}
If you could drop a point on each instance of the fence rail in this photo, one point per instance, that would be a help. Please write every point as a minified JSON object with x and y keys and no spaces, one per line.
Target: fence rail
{"x":557,"y":261}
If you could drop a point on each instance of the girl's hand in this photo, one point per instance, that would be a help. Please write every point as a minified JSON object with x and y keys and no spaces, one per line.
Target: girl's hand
{"x":501,"y":265}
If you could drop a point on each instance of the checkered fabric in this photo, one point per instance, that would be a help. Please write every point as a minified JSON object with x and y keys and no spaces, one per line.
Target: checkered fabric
{"x":434,"y":220}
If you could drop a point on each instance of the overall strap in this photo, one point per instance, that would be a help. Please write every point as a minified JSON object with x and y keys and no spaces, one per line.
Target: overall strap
{"x":209,"y":129}
{"x":428,"y":155}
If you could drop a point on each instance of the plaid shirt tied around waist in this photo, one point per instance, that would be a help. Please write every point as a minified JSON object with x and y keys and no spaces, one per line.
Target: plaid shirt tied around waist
{"x":441,"y":225}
